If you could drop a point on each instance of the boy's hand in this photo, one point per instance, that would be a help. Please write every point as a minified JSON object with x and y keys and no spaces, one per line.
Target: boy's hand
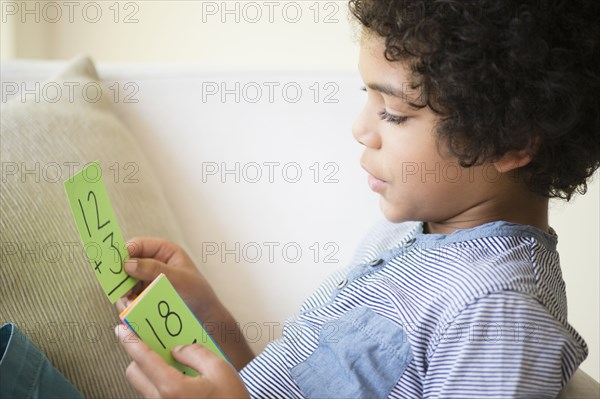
{"x":154,"y":378}
{"x":151,"y":256}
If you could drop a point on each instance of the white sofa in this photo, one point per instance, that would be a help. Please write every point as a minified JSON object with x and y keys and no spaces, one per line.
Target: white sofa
{"x":260,"y":170}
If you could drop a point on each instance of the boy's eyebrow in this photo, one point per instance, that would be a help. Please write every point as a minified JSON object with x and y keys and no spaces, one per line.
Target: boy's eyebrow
{"x":388,"y":90}
{"x":392,"y":92}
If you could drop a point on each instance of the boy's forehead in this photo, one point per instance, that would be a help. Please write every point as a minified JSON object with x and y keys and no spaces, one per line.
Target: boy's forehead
{"x":388,"y":77}
{"x":372,"y":46}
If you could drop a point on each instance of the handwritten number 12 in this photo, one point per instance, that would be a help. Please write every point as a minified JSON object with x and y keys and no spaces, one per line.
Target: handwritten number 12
{"x":91,"y":194}
{"x":98,"y":228}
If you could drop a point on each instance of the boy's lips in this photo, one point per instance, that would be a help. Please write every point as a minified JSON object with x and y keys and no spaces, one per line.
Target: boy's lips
{"x":375,"y":183}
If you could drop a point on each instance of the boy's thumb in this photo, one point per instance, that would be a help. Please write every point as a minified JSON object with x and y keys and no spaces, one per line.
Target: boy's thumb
{"x":145,"y":269}
{"x":197,"y":357}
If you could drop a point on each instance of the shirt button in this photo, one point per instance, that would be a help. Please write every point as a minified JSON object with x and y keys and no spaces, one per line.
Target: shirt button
{"x":409,"y":242}
{"x":375,"y":262}
{"x":342,"y":283}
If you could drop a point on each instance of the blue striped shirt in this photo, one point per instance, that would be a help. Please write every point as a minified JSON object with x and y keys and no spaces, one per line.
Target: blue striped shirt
{"x":478,"y":313}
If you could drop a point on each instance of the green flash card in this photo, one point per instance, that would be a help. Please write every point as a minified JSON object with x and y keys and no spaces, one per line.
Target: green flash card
{"x":97,"y":225}
{"x":163,"y":321}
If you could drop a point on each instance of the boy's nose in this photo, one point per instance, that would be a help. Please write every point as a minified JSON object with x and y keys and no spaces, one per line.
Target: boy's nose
{"x":363,"y":130}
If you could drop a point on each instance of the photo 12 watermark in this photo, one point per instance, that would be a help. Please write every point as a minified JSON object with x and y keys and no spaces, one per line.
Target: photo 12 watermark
{"x":69,"y":92}
{"x":56,"y":252}
{"x":270,"y":252}
{"x":126,"y":12}
{"x":450,"y":172}
{"x":291,"y":12}
{"x":58,"y":172}
{"x":269,"y":172}
{"x":252,"y":92}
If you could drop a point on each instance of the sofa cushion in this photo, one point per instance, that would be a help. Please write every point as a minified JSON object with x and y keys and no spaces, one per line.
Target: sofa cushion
{"x":580,"y":386}
{"x":47,"y":286}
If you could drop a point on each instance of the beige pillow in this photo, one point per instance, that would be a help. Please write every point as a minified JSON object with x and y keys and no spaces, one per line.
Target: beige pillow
{"x":47,"y":287}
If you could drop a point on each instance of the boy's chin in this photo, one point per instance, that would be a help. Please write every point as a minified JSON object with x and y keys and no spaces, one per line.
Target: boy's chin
{"x":394,"y":214}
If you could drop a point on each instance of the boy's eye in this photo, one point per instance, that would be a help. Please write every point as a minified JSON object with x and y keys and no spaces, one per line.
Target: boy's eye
{"x":396,"y":119}
{"x":386,"y":116}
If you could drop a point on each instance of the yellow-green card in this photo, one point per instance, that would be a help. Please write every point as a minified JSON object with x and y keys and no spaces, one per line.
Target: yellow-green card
{"x":99,"y":231}
{"x":163,"y":321}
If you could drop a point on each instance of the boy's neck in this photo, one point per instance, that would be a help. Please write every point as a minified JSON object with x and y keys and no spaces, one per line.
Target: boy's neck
{"x":521,"y":207}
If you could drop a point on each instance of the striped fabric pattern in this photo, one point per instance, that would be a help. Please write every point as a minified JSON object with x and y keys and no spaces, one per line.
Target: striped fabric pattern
{"x":484,"y":310}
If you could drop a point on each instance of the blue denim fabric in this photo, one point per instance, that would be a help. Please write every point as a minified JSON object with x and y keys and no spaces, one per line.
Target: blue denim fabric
{"x":360,"y":355}
{"x":25,"y":372}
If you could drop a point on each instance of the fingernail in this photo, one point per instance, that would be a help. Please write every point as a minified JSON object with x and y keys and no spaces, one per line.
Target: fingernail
{"x":177,"y":348}
{"x":131,"y":265}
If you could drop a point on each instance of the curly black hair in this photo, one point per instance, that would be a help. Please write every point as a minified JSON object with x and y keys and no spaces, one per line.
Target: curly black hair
{"x":504,"y":75}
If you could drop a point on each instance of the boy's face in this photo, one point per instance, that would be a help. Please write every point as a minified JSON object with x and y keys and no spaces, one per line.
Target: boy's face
{"x":414,"y":180}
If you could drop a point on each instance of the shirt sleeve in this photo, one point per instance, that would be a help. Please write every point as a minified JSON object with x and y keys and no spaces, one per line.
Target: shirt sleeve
{"x":503,"y":345}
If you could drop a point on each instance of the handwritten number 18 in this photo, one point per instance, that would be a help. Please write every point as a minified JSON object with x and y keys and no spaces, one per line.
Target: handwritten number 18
{"x":165,"y":312}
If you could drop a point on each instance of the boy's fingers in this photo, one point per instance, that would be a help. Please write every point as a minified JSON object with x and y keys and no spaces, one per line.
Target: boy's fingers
{"x":150,"y":247}
{"x":149,"y":362}
{"x":199,"y":358}
{"x":135,"y":291}
{"x":145,"y":269}
{"x":140,"y":382}
{"x":122,"y":304}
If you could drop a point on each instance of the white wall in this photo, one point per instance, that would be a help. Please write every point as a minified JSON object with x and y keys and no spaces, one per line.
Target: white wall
{"x":262,"y":34}
{"x":7,"y":39}
{"x":577,"y":224}
{"x":203,"y":34}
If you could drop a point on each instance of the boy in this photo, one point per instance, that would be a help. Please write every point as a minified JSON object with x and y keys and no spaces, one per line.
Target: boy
{"x":469,"y":300}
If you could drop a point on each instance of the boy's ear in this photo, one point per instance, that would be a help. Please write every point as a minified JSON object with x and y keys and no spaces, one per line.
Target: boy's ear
{"x":515,"y":159}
